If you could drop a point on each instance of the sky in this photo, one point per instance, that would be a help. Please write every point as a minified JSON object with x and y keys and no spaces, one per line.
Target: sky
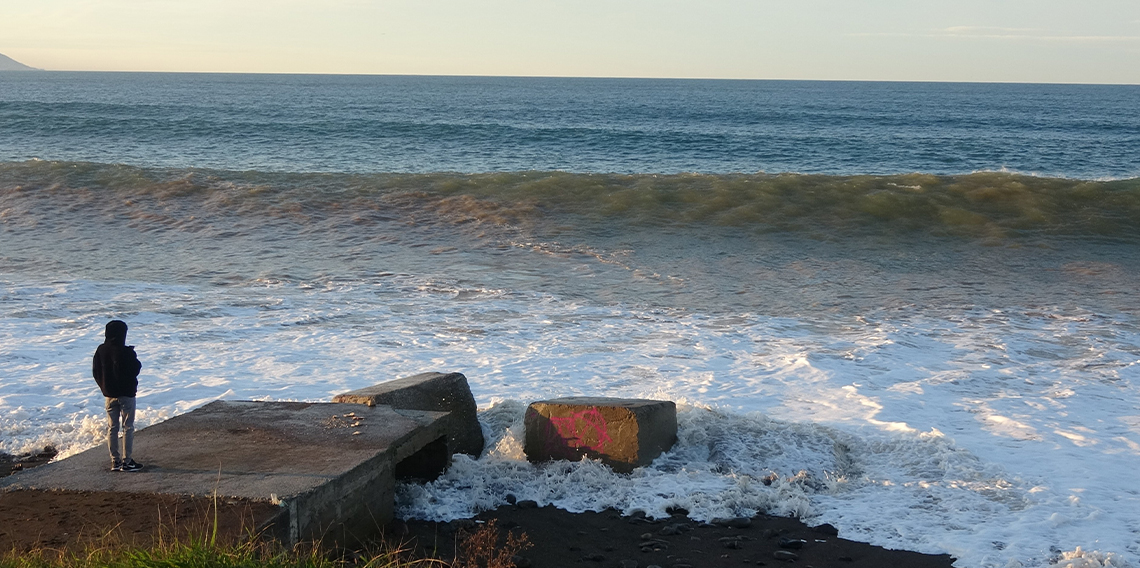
{"x":1055,"y":41}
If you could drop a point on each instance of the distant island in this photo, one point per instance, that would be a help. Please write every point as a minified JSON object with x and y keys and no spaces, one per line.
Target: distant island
{"x":9,"y":64}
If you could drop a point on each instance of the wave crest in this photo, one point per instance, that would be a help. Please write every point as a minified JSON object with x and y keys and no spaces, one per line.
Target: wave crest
{"x":984,"y":205}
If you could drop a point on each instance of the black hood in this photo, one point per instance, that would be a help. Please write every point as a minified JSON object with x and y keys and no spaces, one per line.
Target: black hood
{"x":116,"y":332}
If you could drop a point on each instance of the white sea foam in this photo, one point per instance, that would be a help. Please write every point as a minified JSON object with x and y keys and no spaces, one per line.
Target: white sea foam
{"x":995,"y":436}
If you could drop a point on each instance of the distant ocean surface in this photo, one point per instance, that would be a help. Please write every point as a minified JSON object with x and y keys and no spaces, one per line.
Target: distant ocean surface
{"x":368,"y":124}
{"x":914,"y":304}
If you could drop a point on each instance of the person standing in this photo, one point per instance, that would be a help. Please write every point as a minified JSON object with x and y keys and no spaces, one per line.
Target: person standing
{"x":116,"y":370}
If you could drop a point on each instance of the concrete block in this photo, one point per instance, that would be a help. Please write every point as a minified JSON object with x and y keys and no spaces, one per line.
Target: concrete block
{"x":623,"y":433}
{"x":330,"y":467}
{"x":443,"y":392}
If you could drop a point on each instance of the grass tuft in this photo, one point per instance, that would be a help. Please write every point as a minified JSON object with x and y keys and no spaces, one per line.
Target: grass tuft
{"x":489,"y":547}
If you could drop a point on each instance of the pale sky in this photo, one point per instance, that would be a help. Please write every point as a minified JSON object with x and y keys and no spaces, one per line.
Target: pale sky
{"x":1065,"y":41}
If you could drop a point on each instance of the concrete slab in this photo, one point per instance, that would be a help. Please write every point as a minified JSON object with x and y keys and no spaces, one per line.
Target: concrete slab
{"x":81,"y":521}
{"x":330,"y":466}
{"x":623,"y":433}
{"x":445,"y":392}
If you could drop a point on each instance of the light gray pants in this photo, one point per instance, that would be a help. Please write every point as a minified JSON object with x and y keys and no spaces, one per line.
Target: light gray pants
{"x":122,"y":408}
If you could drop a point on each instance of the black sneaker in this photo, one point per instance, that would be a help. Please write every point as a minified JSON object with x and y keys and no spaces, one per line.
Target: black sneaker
{"x":131,"y":465}
{"x":116,"y":465}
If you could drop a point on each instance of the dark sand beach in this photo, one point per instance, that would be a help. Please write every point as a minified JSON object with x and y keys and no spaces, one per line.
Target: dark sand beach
{"x":561,"y":539}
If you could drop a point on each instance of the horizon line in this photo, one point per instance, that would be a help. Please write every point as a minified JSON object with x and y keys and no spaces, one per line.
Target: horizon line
{"x":599,"y":77}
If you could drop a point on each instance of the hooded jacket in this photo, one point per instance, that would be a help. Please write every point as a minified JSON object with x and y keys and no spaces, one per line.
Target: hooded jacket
{"x":115,"y":365}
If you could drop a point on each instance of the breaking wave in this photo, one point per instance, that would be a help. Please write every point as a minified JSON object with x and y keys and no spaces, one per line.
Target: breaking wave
{"x":984,"y":205}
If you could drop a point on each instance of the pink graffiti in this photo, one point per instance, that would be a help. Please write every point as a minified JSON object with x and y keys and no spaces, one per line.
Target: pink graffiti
{"x":569,"y":436}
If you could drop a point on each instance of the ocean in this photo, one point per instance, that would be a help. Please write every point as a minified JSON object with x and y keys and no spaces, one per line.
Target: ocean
{"x":905,"y":309}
